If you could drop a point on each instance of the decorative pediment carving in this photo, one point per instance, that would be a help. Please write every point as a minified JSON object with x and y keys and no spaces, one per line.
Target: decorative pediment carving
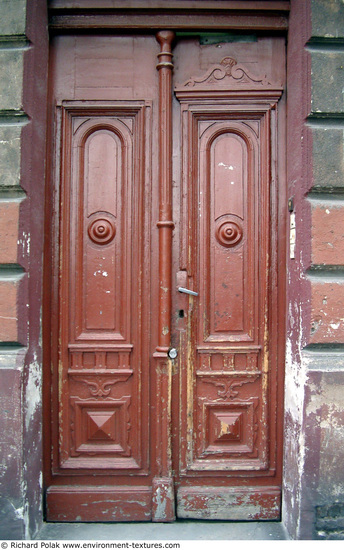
{"x":228,"y":70}
{"x":227,"y":73}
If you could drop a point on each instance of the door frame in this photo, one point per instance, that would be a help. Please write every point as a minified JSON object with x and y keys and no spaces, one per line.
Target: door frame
{"x":235,"y":16}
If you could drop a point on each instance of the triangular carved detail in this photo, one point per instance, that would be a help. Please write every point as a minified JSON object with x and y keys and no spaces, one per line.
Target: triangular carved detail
{"x":227,"y":73}
{"x":101,"y":425}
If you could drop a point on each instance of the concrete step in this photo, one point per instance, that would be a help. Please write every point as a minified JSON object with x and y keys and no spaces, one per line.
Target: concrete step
{"x":180,"y":530}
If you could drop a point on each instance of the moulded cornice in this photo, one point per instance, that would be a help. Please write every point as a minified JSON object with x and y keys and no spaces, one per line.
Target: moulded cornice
{"x":68,"y":15}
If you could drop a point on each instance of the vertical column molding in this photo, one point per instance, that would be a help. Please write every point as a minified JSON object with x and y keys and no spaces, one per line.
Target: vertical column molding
{"x":163,"y":493}
{"x":165,"y":223}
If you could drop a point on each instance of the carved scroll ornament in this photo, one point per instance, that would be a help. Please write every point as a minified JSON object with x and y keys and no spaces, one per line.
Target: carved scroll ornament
{"x":228,"y":71}
{"x":228,"y":388}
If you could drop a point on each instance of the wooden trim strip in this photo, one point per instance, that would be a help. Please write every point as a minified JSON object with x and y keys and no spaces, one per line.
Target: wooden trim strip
{"x":153,"y":5}
{"x":222,"y":21}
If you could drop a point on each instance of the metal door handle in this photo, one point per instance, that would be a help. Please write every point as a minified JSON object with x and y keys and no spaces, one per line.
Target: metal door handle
{"x":187,"y":291}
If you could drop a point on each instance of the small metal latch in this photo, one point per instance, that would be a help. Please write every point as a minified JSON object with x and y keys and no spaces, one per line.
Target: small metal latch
{"x":187,"y":291}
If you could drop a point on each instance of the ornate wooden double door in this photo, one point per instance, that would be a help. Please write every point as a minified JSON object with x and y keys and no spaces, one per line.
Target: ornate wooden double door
{"x":166,"y":290}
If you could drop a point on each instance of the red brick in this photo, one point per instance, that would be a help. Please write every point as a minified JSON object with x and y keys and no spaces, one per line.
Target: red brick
{"x":327,"y":318}
{"x":9,"y":215}
{"x":328,"y":235}
{"x":8,"y":311}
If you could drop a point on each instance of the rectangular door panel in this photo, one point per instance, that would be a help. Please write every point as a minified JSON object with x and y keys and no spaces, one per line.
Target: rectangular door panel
{"x":100,"y":503}
{"x":101,"y":288}
{"x":229,"y":374}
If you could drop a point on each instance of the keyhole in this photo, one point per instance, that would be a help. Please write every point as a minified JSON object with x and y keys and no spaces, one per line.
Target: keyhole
{"x":181,"y":314}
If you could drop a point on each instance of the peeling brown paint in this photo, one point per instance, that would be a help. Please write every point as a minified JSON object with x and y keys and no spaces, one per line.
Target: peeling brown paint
{"x":229,"y":503}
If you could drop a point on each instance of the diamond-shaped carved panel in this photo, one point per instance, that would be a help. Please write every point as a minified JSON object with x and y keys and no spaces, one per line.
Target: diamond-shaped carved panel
{"x":225,"y":426}
{"x":229,"y":428}
{"x":100,"y":427}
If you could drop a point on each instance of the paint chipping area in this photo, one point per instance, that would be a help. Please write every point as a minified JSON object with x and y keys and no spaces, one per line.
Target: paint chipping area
{"x":224,"y":503}
{"x":325,"y":420}
{"x":327,"y":322}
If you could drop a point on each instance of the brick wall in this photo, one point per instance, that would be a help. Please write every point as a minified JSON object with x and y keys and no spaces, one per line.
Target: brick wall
{"x":324,"y":405}
{"x":13,"y":43}
{"x":314,"y":427}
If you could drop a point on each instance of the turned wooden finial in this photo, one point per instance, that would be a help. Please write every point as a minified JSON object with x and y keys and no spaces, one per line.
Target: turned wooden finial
{"x":165,"y":39}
